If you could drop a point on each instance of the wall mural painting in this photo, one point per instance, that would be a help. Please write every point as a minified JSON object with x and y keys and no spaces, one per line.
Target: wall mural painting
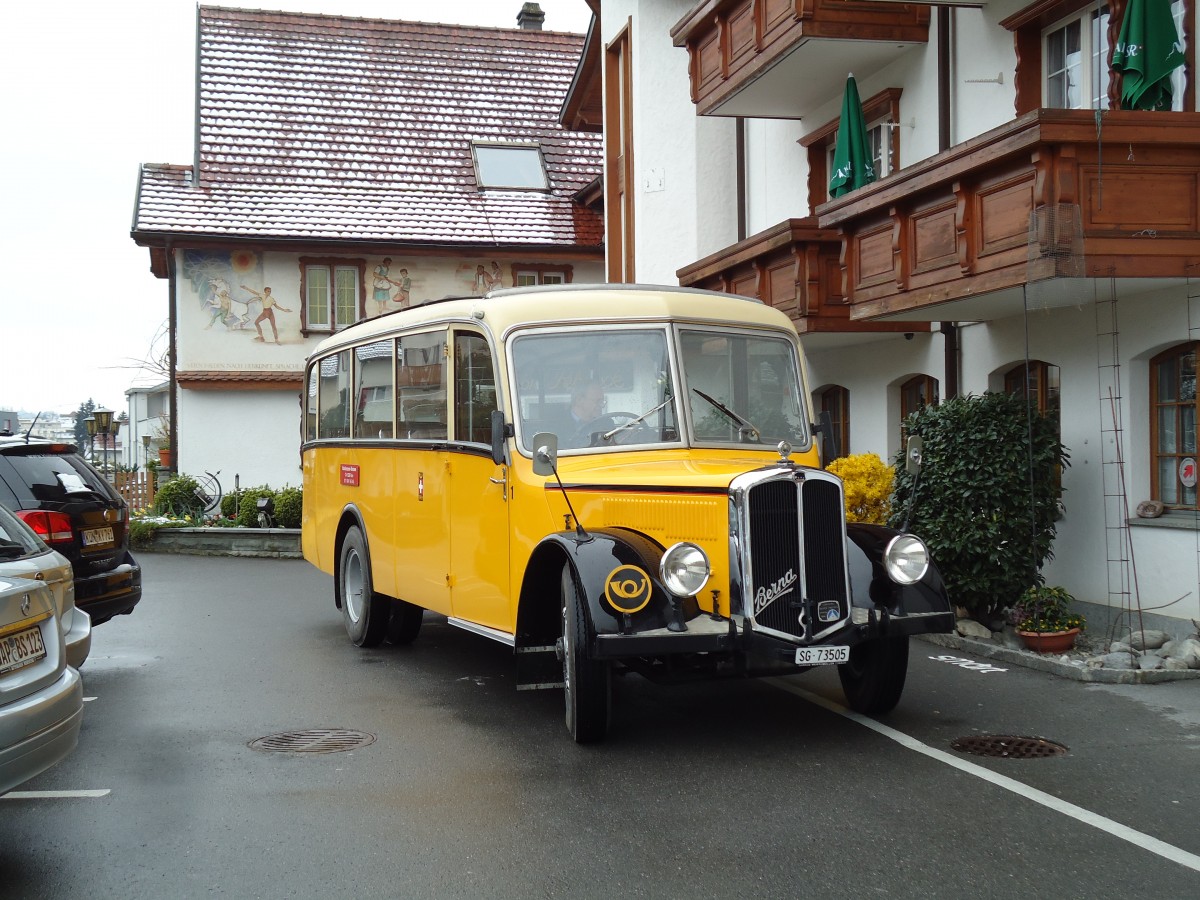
{"x":382,"y":283}
{"x":231,"y":292}
{"x":479,"y":278}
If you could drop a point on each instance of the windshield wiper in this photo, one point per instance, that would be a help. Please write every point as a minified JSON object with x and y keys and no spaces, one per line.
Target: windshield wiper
{"x":607,"y":436}
{"x":747,"y":429}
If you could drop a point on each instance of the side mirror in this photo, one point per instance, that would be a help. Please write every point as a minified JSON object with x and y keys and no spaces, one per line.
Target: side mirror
{"x":828,"y":447}
{"x":545,"y":453}
{"x":500,"y":431}
{"x":912,"y":456}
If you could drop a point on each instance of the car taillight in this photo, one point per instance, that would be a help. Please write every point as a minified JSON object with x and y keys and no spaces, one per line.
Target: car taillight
{"x":51,"y":527}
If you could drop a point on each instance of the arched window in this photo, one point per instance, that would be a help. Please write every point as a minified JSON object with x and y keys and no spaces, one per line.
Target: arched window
{"x":1173,"y":426}
{"x":835,"y":400}
{"x":1040,"y":382}
{"x":916,"y":393}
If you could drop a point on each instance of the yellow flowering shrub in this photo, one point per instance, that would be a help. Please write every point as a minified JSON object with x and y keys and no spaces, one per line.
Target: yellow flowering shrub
{"x":867,"y":481}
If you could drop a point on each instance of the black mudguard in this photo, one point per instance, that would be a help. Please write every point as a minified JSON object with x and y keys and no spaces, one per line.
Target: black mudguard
{"x":870,"y":586}
{"x":625,"y":564}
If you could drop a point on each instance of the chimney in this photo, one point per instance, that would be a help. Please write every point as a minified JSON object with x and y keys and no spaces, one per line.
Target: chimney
{"x":531,"y":17}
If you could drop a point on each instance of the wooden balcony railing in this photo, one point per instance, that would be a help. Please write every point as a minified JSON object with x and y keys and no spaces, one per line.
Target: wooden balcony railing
{"x":1114,"y":196}
{"x":736,"y":47}
{"x":793,"y":266}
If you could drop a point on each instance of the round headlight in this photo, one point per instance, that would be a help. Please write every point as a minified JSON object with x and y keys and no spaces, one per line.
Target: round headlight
{"x":906,"y":559}
{"x":684,"y":569}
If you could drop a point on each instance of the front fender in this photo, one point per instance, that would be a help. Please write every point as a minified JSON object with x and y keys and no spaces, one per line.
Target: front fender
{"x":603,"y":558}
{"x":870,"y":586}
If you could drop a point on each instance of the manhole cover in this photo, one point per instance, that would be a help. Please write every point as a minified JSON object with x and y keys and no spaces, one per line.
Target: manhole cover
{"x":315,"y":740}
{"x":1008,"y":746}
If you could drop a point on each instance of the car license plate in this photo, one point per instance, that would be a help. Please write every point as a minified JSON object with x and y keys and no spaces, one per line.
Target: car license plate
{"x":822,"y":656}
{"x":94,"y":536}
{"x":21,"y":649}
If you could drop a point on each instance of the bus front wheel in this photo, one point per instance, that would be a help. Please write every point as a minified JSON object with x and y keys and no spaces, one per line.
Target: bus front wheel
{"x":587,"y":686}
{"x":873,"y":679}
{"x":365,"y":613}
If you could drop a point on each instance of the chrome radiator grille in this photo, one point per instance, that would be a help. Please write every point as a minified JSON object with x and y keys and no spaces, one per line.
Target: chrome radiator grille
{"x":795,"y":556}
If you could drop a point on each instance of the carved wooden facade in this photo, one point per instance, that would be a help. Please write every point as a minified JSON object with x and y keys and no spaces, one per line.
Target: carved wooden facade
{"x":733,"y":42}
{"x":958,"y":224}
{"x":793,"y":266}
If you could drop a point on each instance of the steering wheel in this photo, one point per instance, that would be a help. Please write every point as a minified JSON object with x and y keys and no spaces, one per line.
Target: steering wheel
{"x":606,"y":423}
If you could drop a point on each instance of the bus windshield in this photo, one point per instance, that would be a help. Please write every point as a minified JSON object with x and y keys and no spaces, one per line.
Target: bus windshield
{"x":595,"y":388}
{"x":742,"y":388}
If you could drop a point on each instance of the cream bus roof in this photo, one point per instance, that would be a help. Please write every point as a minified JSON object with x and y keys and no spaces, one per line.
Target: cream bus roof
{"x":503,"y":310}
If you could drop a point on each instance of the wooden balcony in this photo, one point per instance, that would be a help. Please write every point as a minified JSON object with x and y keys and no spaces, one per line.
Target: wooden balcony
{"x":1120,"y":199}
{"x":781,"y":58}
{"x":793,"y":266}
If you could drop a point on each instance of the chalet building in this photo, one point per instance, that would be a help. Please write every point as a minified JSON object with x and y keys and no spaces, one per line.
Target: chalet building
{"x":1024,"y":230}
{"x":347,"y":168}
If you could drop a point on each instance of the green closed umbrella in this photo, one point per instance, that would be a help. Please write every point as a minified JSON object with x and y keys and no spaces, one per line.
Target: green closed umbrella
{"x":852,"y":163}
{"x":1147,"y":52}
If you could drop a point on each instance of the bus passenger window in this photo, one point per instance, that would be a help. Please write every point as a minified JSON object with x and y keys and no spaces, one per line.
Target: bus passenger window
{"x":333,"y":400}
{"x":474,"y":389}
{"x":373,"y":390}
{"x":421,"y":386}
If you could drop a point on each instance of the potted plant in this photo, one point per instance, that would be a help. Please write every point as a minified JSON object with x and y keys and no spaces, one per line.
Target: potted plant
{"x":161,"y":434}
{"x":1045,"y":621}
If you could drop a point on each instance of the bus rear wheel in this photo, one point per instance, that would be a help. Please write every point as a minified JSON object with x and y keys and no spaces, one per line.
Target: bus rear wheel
{"x":364,"y":612}
{"x":873,"y":679}
{"x":405,"y":623}
{"x":587,"y":683}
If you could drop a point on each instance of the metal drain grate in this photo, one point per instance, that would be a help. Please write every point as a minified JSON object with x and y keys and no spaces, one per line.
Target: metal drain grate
{"x":1008,"y":746}
{"x":315,"y":740}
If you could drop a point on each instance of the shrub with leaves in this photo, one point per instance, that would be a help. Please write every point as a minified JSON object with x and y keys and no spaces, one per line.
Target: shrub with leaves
{"x":248,"y":505}
{"x":867,"y":483}
{"x":178,"y":497}
{"x":987,"y":496}
{"x":229,"y":505}
{"x":289,"y":503}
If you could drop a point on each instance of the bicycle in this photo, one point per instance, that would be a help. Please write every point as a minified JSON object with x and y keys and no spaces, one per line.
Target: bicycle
{"x":208,"y":491}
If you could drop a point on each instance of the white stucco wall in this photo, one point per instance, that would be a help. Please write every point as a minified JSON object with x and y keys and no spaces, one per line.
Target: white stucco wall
{"x":251,"y":435}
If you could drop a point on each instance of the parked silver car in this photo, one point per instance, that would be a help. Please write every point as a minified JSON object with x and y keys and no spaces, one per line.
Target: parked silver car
{"x":24,"y":555}
{"x":41,"y":697}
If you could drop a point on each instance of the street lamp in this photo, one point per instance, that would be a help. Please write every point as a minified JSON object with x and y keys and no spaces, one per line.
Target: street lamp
{"x":90,"y":423}
{"x":104,"y":425}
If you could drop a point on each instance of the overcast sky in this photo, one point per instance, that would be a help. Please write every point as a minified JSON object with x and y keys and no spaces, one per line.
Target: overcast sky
{"x":90,"y":91}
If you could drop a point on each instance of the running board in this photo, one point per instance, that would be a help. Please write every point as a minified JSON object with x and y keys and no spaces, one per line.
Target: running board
{"x":539,"y":668}
{"x":494,"y":634}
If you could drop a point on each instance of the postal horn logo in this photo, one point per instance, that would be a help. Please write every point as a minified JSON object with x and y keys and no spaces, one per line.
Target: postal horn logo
{"x":627,"y":589}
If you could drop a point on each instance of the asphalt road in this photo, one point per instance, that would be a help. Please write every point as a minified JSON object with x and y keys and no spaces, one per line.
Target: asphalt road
{"x":472,"y":789}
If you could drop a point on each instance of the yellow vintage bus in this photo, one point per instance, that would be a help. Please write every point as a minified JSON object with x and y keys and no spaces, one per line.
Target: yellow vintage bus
{"x":600,"y":477}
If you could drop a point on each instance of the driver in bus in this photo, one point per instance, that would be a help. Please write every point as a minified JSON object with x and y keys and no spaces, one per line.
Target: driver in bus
{"x":587,"y":404}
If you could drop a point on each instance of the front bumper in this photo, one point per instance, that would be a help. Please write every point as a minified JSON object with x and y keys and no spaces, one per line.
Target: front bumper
{"x":53,"y":714}
{"x":706,"y":634}
{"x":112,"y":593}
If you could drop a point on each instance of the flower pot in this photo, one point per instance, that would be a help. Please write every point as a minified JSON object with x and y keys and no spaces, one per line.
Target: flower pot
{"x":164,"y":457}
{"x":1049,"y":641}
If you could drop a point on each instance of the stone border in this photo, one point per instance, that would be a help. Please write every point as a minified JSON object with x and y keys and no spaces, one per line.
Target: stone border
{"x":1055,"y":666}
{"x":273,"y":543}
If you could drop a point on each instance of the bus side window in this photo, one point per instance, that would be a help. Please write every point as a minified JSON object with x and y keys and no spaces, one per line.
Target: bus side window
{"x":474,"y":388}
{"x":373,"y":390}
{"x":333,"y":400}
{"x":421,"y":386}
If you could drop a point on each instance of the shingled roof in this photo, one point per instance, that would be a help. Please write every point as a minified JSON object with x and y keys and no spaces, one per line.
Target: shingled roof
{"x":327,"y":128}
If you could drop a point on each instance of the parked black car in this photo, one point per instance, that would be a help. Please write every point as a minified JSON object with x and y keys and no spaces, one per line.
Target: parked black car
{"x":74,"y":509}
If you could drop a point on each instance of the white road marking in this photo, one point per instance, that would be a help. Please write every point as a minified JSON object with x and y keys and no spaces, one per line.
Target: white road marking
{"x":88,"y":699}
{"x":54,"y":795}
{"x":1087,"y":817}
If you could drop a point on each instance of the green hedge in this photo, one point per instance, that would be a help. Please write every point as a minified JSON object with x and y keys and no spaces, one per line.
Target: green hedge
{"x":987,"y":498}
